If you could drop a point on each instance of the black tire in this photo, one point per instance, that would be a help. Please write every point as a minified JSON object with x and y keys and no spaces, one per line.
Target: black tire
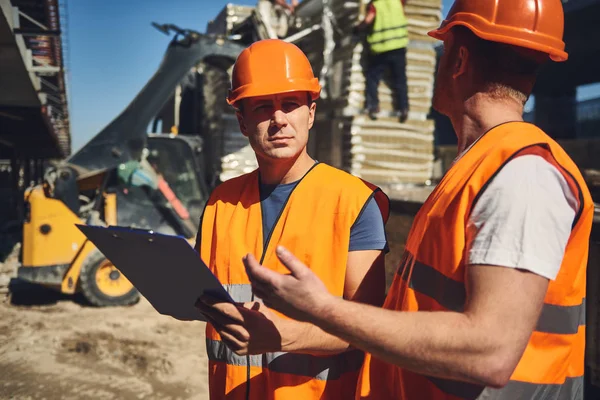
{"x":93,"y":293}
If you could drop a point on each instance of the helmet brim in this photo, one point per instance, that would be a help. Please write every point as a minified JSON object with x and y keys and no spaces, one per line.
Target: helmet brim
{"x":506,"y":35}
{"x":311,"y":86}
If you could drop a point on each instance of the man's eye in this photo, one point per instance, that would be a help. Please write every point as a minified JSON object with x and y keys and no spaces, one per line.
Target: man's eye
{"x":291,"y":104}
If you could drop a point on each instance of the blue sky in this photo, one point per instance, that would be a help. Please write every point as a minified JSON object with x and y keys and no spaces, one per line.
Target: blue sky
{"x":113,"y":51}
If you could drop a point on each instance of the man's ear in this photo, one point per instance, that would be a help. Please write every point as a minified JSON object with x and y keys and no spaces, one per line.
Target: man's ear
{"x":312,"y":109}
{"x":240,"y":118}
{"x":460,"y":64}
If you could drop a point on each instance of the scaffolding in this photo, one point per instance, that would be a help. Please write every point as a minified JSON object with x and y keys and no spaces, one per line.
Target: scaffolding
{"x":42,"y":24}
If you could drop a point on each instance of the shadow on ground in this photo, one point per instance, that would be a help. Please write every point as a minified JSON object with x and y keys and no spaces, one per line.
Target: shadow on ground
{"x":27,"y":294}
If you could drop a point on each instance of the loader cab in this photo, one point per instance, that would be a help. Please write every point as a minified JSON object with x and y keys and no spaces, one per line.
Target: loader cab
{"x":163,"y":191}
{"x":180,"y":159}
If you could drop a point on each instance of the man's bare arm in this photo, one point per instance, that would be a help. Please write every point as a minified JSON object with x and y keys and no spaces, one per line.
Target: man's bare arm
{"x":370,"y":17}
{"x":367,"y":21}
{"x":481,"y":345}
{"x":365,"y":283}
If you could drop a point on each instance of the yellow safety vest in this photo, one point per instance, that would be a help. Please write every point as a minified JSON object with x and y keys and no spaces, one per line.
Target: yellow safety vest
{"x":390,"y":30}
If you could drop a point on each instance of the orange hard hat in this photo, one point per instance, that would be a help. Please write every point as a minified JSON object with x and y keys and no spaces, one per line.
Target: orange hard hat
{"x":532,"y":24}
{"x":272,"y":66}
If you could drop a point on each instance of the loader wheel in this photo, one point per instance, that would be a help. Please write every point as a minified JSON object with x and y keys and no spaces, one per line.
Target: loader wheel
{"x":103,"y":285}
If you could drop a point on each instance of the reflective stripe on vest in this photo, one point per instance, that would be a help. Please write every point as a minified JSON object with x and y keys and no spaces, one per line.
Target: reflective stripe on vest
{"x":432,"y":274}
{"x":314,"y":224}
{"x":321,"y":368}
{"x":389,"y":30}
{"x":240,"y":293}
{"x":571,"y":389}
{"x":451,"y":294}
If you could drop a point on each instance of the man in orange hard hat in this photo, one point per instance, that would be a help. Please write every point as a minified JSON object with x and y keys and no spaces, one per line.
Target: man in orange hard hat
{"x":333,"y":220}
{"x":489,"y":299}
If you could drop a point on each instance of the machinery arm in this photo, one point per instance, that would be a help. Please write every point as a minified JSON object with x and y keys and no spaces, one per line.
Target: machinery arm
{"x":124,"y":138}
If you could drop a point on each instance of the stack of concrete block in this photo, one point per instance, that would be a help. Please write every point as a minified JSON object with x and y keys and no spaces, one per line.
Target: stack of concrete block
{"x":229,"y":147}
{"x":229,"y":18}
{"x":384,"y":151}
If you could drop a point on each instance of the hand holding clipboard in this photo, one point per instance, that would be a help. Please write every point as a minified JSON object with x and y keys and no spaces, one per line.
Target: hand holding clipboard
{"x":165,"y":269}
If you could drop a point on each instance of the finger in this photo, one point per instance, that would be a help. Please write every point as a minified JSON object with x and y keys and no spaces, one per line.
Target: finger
{"x":258,"y":273}
{"x":216,"y":319}
{"x":212,"y":321}
{"x":234,"y":344}
{"x":206,"y":311}
{"x":215,"y":324}
{"x":226,"y":310}
{"x":210,"y":300}
{"x":214,"y":302}
{"x":238,"y":332}
{"x":296,"y":267}
{"x":253,"y":305}
{"x":217,"y":315}
{"x":234,"y":339}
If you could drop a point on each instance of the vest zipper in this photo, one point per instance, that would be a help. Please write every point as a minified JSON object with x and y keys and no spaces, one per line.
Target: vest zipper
{"x":262,"y":258}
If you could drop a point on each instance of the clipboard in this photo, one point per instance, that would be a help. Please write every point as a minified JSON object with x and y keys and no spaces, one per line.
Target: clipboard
{"x":165,"y":269}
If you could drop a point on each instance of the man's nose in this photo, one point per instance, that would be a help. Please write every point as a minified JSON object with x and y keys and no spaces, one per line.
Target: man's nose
{"x":279,"y":118}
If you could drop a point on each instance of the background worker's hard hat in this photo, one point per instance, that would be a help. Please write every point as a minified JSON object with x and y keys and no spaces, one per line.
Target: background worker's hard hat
{"x":532,"y":24}
{"x":272,"y":66}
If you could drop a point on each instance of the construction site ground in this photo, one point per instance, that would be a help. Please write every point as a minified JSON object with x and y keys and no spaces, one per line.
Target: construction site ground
{"x":65,"y":350}
{"x":56,"y":347}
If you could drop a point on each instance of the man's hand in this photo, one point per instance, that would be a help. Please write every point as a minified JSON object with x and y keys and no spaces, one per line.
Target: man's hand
{"x":249,"y":328}
{"x":299,"y":295}
{"x":366,"y":22}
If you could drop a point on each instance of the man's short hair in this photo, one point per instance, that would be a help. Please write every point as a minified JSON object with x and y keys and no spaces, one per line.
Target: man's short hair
{"x":505,"y":70}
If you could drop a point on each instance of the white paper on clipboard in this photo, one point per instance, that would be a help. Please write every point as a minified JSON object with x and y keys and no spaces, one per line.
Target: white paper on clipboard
{"x":165,"y":269}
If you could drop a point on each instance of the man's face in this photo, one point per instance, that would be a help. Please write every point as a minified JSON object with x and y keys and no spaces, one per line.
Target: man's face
{"x":277,"y":125}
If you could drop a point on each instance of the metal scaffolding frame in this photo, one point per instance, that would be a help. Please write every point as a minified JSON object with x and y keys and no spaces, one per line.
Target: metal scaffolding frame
{"x":43,"y":25}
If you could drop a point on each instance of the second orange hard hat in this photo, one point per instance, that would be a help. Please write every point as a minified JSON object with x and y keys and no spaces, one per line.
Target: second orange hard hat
{"x":532,"y":24}
{"x":271,"y":66}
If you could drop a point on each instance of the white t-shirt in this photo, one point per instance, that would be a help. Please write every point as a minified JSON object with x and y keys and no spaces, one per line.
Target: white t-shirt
{"x":523,"y":218}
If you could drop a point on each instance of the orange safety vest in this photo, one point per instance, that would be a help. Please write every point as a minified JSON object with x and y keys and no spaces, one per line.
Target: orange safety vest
{"x":431,"y":277}
{"x":315,"y":225}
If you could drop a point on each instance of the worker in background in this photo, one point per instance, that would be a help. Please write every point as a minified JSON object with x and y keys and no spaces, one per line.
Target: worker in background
{"x":275,"y":14}
{"x":489,"y":299}
{"x":333,"y":220}
{"x":387,"y":41}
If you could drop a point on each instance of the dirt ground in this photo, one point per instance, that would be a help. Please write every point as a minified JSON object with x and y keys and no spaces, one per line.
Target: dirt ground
{"x":56,"y":347}
{"x":62,"y":349}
